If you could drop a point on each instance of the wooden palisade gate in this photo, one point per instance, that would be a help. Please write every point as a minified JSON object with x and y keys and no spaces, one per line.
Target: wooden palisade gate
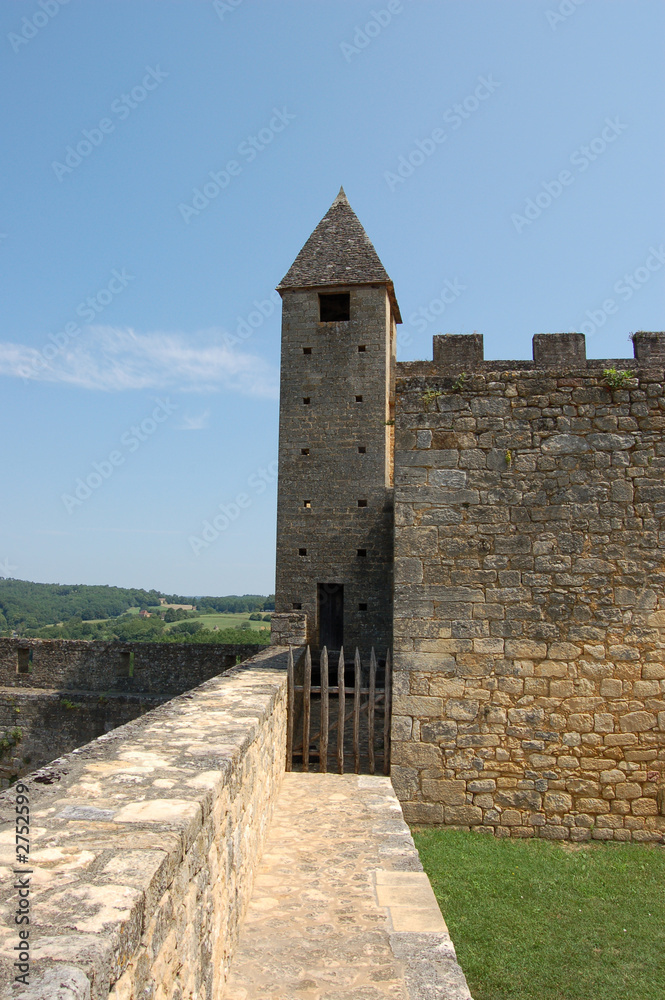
{"x":376,"y":696}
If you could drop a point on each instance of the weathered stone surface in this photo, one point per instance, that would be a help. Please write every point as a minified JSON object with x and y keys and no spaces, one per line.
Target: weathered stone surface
{"x":611,"y":442}
{"x":565,"y":444}
{"x":463,"y":815}
{"x":145,"y":841}
{"x":288,"y":628}
{"x":461,"y":709}
{"x":447,"y":477}
{"x":452,"y":793}
{"x":66,"y":692}
{"x":62,"y":983}
{"x":628,"y":790}
{"x":557,"y":802}
{"x":547,"y":496}
{"x":519,"y":798}
{"x":437,"y":732}
{"x":637,"y":722}
{"x":644,"y":807}
{"x":341,"y":905}
{"x":481,"y":785}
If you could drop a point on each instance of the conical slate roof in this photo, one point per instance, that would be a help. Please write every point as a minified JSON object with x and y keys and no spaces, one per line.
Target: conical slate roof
{"x":339,"y":252}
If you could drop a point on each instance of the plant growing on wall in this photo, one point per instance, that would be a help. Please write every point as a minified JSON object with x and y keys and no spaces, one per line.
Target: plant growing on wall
{"x":70,"y":705}
{"x":10,"y":740}
{"x":616,"y":379}
{"x":460,"y":382}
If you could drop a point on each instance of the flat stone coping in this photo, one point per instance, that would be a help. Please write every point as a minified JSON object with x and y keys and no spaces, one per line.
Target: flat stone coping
{"x":341,"y":907}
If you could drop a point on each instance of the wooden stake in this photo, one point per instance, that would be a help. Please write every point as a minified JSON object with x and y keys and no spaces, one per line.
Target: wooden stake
{"x":341,"y":692}
{"x":370,"y":708}
{"x":387,"y":701}
{"x":289,"y":711}
{"x":325,"y":721}
{"x":307,"y":698}
{"x":356,"y":712}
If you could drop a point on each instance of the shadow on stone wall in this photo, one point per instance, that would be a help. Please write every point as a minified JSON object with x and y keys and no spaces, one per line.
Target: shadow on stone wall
{"x":57,"y":695}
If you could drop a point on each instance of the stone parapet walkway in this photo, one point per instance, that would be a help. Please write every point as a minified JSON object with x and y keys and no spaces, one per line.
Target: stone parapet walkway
{"x":341,"y":908}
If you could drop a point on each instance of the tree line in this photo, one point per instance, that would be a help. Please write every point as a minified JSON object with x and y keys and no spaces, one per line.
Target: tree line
{"x":132,"y":628}
{"x":27,"y":606}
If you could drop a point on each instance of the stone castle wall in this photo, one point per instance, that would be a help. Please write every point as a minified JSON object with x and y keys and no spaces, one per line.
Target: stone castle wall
{"x":162,"y":668}
{"x":529,"y":688}
{"x":38,"y":725}
{"x":56,"y":695}
{"x":145,"y":843}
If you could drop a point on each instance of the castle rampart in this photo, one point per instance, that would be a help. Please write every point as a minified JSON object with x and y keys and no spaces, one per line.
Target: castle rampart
{"x":56,"y":695}
{"x":145,"y":843}
{"x":161,"y":668}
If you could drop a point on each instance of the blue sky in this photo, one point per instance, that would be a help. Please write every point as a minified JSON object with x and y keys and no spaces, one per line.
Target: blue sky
{"x":513,"y":150}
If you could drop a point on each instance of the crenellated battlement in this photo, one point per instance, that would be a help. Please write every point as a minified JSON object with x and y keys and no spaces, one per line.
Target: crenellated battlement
{"x":456,"y":353}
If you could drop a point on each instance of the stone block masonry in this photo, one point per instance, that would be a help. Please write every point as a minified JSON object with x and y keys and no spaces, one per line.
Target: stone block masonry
{"x":341,"y":908}
{"x":37,"y":725}
{"x":160,"y":668}
{"x":56,"y":695}
{"x":529,"y":687}
{"x":144,"y":845}
{"x":334,"y":495}
{"x":334,"y":500}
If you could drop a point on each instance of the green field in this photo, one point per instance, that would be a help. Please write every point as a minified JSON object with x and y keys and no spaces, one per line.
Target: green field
{"x":152,"y":628}
{"x":223,"y":621}
{"x":533,"y":920}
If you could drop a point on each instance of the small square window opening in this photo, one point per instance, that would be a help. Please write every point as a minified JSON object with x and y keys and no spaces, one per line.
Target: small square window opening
{"x":302,"y":552}
{"x":307,"y":350}
{"x":335,"y":308}
{"x":362,"y":449}
{"x":307,"y":503}
{"x":306,"y":400}
{"x":304,"y":451}
{"x":362,"y":553}
{"x":362,"y":606}
{"x":359,"y":399}
{"x":362,"y":503}
{"x":361,"y":348}
{"x":297,"y":606}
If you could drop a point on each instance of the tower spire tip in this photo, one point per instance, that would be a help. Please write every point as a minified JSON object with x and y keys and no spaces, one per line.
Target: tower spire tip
{"x":341,"y":198}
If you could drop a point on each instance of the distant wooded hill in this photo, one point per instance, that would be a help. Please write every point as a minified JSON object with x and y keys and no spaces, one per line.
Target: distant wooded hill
{"x":26,"y":605}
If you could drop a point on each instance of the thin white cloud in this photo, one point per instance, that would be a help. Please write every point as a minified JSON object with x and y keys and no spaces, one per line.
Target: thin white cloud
{"x":113,"y":360}
{"x":195,"y":422}
{"x":134,"y":531}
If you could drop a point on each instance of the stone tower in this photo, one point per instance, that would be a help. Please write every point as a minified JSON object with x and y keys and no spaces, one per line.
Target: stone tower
{"x":335,"y":496}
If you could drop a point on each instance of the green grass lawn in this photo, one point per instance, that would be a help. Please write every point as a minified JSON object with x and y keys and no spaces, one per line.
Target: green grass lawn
{"x":532,"y":920}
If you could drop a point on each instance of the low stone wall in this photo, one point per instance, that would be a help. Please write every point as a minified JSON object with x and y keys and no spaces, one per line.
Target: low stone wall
{"x":143,"y":845}
{"x":56,"y":695}
{"x":162,"y":668}
{"x":529,"y":685}
{"x":36,"y":725}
